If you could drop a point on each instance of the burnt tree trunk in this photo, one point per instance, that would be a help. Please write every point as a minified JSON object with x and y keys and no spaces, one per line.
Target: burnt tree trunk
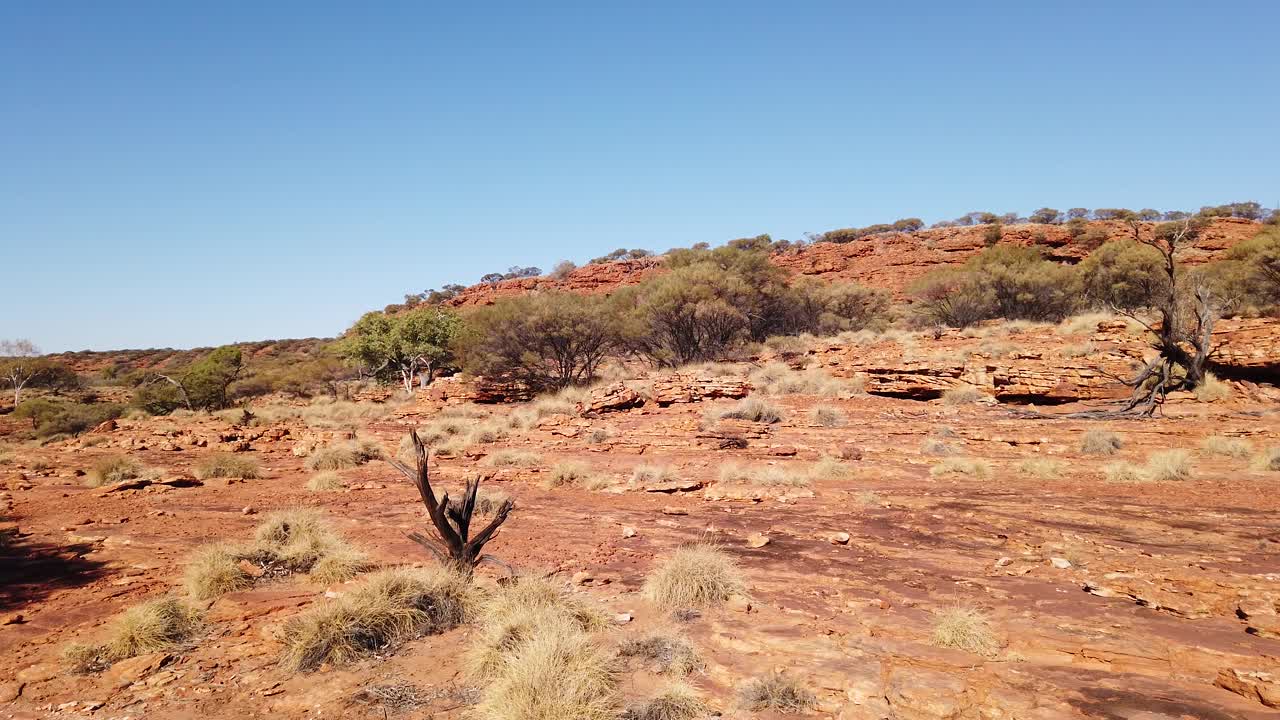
{"x":454,"y":545}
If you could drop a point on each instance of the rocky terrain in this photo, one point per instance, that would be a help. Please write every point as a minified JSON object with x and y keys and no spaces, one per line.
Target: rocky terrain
{"x":909,"y":475}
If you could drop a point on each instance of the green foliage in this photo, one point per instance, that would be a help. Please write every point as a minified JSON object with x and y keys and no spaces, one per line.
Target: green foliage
{"x":1046,"y":216}
{"x":1126,"y":275}
{"x":406,"y":343}
{"x":1006,"y":281}
{"x":547,"y":340}
{"x":51,"y":417}
{"x":1250,"y":273}
{"x":207,"y":379}
{"x":845,"y":235}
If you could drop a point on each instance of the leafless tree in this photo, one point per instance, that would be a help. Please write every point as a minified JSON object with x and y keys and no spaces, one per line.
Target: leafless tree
{"x":455,"y":547}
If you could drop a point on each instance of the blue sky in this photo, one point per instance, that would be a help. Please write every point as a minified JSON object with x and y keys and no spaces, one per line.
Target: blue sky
{"x":182,"y":174}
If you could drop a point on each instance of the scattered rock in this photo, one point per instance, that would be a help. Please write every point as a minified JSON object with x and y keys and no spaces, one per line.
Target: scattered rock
{"x":675,"y":486}
{"x":10,"y":691}
{"x":838,"y":538}
{"x":1258,"y":686}
{"x":582,"y":577}
{"x":38,"y":673}
{"x":739,"y":603}
{"x":12,"y":619}
{"x":248,"y":510}
{"x":672,"y":510}
{"x":1060,"y":563}
{"x":126,"y":672}
{"x":757,"y":540}
{"x":622,"y":618}
{"x":1002,"y":562}
{"x":850,"y":452}
{"x":628,"y":532}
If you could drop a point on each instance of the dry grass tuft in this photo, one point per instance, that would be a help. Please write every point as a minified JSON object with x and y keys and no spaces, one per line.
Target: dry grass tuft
{"x":1123,"y":472}
{"x":577,"y":475}
{"x":153,"y":626}
{"x":327,"y":481}
{"x":776,"y":691}
{"x":1100,"y":442}
{"x":512,"y":458}
{"x":1043,"y":468}
{"x":651,"y":474}
{"x":286,"y":542}
{"x":1168,"y":465}
{"x":961,"y":395}
{"x":1212,"y":389}
{"x":554,"y":674}
{"x":980,"y":469}
{"x":778,"y":379}
{"x":827,"y":416}
{"x":1267,"y":460}
{"x":663,"y":652}
{"x":753,"y":409}
{"x":767,"y":476}
{"x":517,"y":612}
{"x":390,"y":607}
{"x":934,"y":446}
{"x":113,"y":469}
{"x":694,"y":576}
{"x":227,"y":465}
{"x":964,"y":628}
{"x":675,"y":702}
{"x":344,"y":456}
{"x":1238,"y":448}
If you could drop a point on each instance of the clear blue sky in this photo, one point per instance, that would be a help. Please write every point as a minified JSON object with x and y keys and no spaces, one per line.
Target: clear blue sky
{"x":180,"y":174}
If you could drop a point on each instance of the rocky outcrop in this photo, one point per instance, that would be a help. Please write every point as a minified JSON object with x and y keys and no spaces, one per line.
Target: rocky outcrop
{"x":611,"y":398}
{"x":685,"y":388}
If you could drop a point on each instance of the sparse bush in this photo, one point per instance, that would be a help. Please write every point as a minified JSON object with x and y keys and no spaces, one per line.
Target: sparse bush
{"x":114,"y":469}
{"x":1211,"y":389}
{"x":227,"y":465}
{"x":980,"y":469}
{"x":326,"y":481}
{"x":753,"y":409}
{"x":1008,"y":281}
{"x":575,"y":474}
{"x":967,"y":629}
{"x":390,"y":607}
{"x":776,"y":691}
{"x":1238,"y":448}
{"x":675,"y":702}
{"x":346,"y":455}
{"x":694,"y":576}
{"x":1100,"y":442}
{"x":961,"y":395}
{"x":933,"y":446}
{"x":778,"y":379}
{"x":735,"y":474}
{"x":827,"y":416}
{"x":1124,"y":274}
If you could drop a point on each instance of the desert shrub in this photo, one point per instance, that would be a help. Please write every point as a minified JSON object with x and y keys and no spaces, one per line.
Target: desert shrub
{"x":675,"y":702}
{"x":575,"y":474}
{"x":488,"y":501}
{"x":550,"y":675}
{"x":390,"y":607}
{"x":1211,"y":389}
{"x":776,"y":691}
{"x":934,"y":446}
{"x":215,"y":570}
{"x":227,"y":465}
{"x":1100,"y":442}
{"x":1168,"y":465}
{"x":1231,"y":447}
{"x":1256,"y":266}
{"x":51,"y":417}
{"x":153,"y":626}
{"x":961,"y":395}
{"x":562,"y":270}
{"x":1044,"y":468}
{"x":1267,"y":460}
{"x":827,"y":416}
{"x":346,"y":455}
{"x":753,"y":409}
{"x":980,"y":469}
{"x":1008,"y":281}
{"x":512,"y":458}
{"x":964,"y":628}
{"x":1124,"y":274}
{"x":663,"y":652}
{"x":326,"y":481}
{"x":114,"y":469}
{"x":694,"y":576}
{"x":848,"y":306}
{"x":600,"y":435}
{"x":546,"y":340}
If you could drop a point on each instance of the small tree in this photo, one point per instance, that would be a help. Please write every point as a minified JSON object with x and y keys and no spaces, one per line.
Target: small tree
{"x":1186,"y":311}
{"x":1046,"y":216}
{"x":23,"y":367}
{"x":1125,"y":275}
{"x":404,"y":344}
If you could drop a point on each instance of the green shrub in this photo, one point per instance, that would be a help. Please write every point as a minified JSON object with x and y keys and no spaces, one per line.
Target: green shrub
{"x":1124,"y":274}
